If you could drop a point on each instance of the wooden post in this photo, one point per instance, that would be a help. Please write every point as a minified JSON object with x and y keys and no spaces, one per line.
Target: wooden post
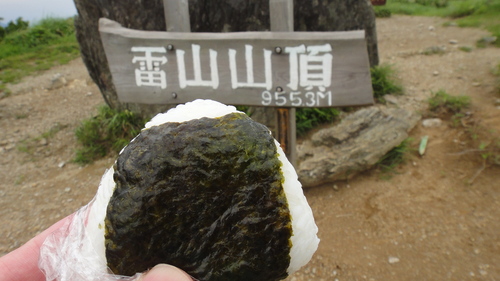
{"x":281,"y":17}
{"x":177,"y":15}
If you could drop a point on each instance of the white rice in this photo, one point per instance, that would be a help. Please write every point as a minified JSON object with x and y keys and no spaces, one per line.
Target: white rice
{"x":304,"y":239}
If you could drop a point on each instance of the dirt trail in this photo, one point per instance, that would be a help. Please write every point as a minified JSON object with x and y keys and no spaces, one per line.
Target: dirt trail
{"x":427,"y":222}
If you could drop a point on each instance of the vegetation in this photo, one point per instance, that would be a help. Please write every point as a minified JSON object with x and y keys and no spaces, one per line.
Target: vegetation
{"x":109,"y":131}
{"x":395,"y":156}
{"x":382,"y":12}
{"x":442,"y":102}
{"x":29,"y":145}
{"x":496,"y":72}
{"x":385,"y":82}
{"x":25,"y":50}
{"x":12,"y":27}
{"x":482,"y":142}
{"x":308,"y":118}
{"x":465,"y":13}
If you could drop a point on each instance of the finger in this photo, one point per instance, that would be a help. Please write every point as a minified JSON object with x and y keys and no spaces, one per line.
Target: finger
{"x":22,"y":263}
{"x":164,"y":272}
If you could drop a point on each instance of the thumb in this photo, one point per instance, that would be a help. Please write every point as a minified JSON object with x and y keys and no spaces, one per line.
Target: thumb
{"x":164,"y":272}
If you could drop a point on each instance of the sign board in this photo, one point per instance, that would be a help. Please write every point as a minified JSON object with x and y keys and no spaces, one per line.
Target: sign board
{"x":279,"y":69}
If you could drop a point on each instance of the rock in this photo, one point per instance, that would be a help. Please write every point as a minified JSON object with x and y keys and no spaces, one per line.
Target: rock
{"x":354,"y":145}
{"x":10,"y":146}
{"x":431,"y":28}
{"x":435,"y":73}
{"x":61,"y":164}
{"x":453,"y":41}
{"x":432,"y":123}
{"x":43,"y":142}
{"x":497,"y":101}
{"x":434,"y":50}
{"x":391,"y":99}
{"x":393,"y":260}
{"x":489,"y":39}
{"x":57,"y":82}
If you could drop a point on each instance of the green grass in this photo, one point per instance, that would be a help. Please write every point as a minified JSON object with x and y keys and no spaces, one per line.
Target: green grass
{"x":442,"y":102}
{"x":385,"y":82}
{"x":466,"y":13}
{"x":109,"y":131}
{"x":29,"y":145}
{"x":51,"y":42}
{"x":395,"y":156}
{"x":496,"y":72}
{"x":308,"y":118}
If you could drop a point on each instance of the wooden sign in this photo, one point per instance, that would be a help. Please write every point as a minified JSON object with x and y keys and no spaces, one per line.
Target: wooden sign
{"x":279,"y":69}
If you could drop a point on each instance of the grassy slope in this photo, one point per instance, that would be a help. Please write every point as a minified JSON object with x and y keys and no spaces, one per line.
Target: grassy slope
{"x":51,"y":42}
{"x":466,"y":13}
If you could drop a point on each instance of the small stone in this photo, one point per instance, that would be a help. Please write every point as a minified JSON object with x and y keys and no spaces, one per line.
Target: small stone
{"x":10,"y":146}
{"x":453,"y":41}
{"x":435,"y":73}
{"x":476,"y":84}
{"x":393,"y":260}
{"x":61,"y":165}
{"x":67,"y":189}
{"x":43,"y":142}
{"x":89,"y":94}
{"x":476,"y":251}
{"x":489,"y":39}
{"x":391,"y":99}
{"x":57,"y":82}
{"x":432,"y":123}
{"x":497,"y":102}
{"x":431,"y":28}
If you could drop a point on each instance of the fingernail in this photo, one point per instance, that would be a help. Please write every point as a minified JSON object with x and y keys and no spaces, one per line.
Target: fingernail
{"x":165,"y":272}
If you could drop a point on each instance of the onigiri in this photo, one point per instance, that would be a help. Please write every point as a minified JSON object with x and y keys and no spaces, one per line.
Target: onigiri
{"x":205,"y":188}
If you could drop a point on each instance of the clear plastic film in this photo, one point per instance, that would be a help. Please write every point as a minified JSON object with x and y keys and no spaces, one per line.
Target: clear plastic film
{"x":72,"y":253}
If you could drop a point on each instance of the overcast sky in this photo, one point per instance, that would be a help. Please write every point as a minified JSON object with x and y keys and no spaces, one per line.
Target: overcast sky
{"x":35,"y":10}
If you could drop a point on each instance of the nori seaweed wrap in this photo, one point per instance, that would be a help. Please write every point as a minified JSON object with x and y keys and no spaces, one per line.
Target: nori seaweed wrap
{"x":205,"y":188}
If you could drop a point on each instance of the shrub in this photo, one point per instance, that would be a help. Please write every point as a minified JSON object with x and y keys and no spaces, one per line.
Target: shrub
{"x":18,"y":25}
{"x":308,"y":118}
{"x":395,"y":156}
{"x":384,"y":82}
{"x":382,"y":12}
{"x":109,"y":131}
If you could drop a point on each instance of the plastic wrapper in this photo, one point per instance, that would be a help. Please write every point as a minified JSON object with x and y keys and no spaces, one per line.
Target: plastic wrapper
{"x":70,"y":253}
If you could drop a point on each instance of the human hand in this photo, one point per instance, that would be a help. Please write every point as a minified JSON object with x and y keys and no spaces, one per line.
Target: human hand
{"x":22,"y":263}
{"x":164,"y":272}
